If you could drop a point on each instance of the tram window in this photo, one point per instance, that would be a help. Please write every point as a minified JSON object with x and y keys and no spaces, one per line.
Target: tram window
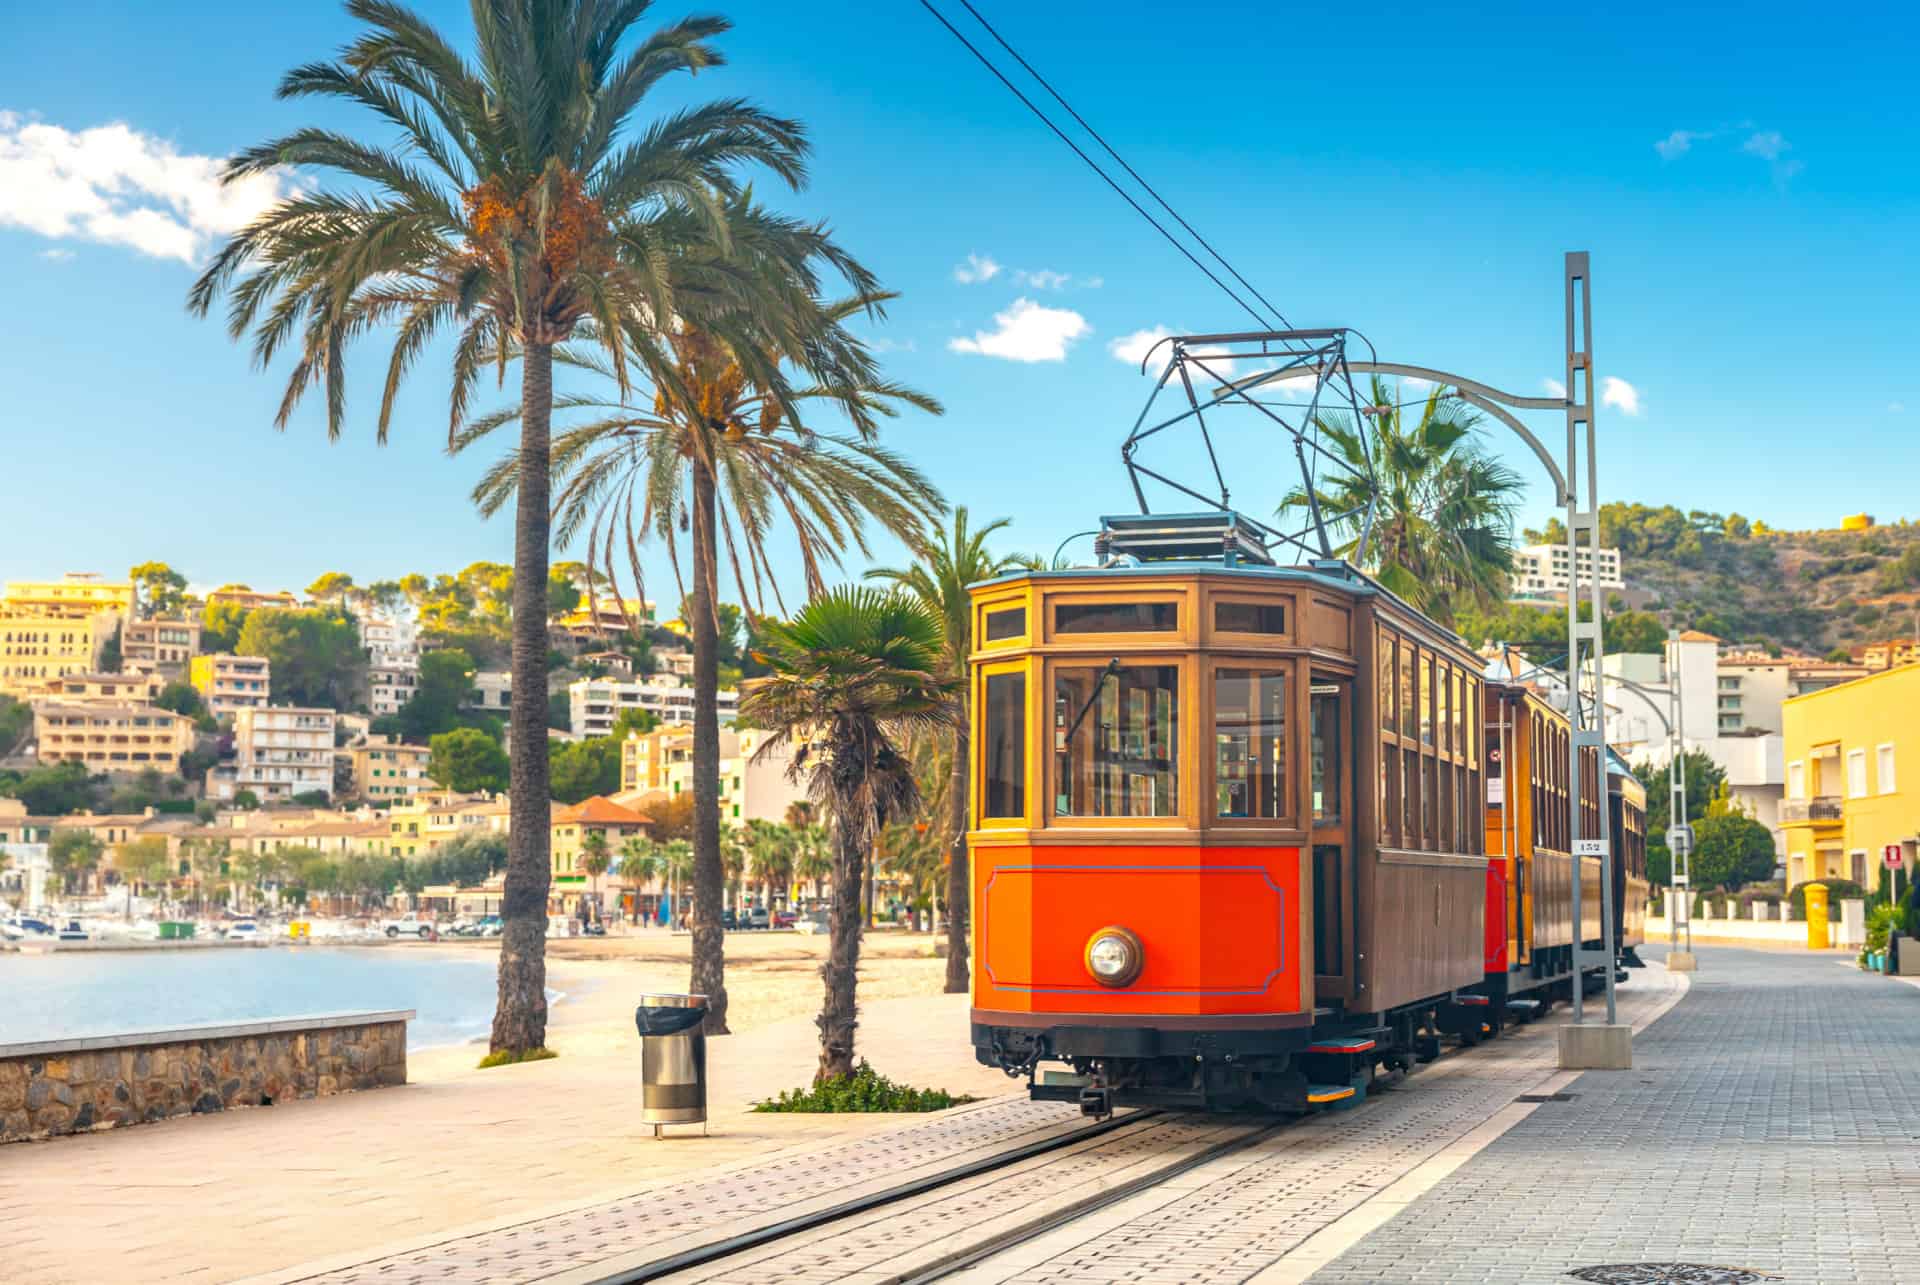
{"x":1115,"y":617}
{"x":1389,"y":795}
{"x":1426,"y":700}
{"x":1409,"y":711}
{"x":1410,"y":830}
{"x":1116,"y":741}
{"x":1010,"y":623}
{"x":1249,"y":618}
{"x":1250,"y":775}
{"x":1456,"y":738}
{"x":1386,"y":682}
{"x":1326,"y":752}
{"x":1005,"y":792}
{"x":1443,"y":698}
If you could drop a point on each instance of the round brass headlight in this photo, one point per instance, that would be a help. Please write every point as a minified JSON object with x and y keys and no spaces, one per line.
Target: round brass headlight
{"x":1114,"y":956}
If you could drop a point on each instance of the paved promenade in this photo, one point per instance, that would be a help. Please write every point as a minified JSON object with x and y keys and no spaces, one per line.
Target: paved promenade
{"x":1771,"y":1122}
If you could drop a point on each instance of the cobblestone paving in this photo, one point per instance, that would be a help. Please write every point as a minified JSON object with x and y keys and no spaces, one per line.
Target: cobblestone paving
{"x":722,"y":1202}
{"x":1772,"y":1122}
{"x":1252,"y":1208}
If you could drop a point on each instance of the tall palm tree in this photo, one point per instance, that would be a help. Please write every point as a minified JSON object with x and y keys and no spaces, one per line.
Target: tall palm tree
{"x":812,"y":854}
{"x":516,"y":206}
{"x":940,"y":582}
{"x":676,"y":858}
{"x":852,"y":671}
{"x":771,"y":846}
{"x":640,"y":865}
{"x":724,"y":453}
{"x":1443,"y":528}
{"x":594,"y":859}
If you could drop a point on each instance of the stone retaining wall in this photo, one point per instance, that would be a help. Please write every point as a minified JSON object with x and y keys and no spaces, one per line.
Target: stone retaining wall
{"x":73,"y":1086}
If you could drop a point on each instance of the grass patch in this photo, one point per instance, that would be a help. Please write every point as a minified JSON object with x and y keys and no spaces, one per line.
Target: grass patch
{"x":508,"y":1057}
{"x":865,"y":1090}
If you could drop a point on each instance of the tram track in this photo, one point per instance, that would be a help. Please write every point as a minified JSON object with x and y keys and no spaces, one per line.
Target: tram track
{"x":716,"y":1252}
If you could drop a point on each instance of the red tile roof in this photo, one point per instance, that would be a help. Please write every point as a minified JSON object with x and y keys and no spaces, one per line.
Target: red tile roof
{"x":599,"y":810}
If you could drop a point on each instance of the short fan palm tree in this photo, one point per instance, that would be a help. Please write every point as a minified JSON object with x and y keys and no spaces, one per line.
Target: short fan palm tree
{"x":640,"y":865}
{"x":939,"y":580}
{"x":595,"y":858}
{"x":515,"y":204}
{"x":722,"y":452}
{"x":1443,"y":526}
{"x":854,"y":671}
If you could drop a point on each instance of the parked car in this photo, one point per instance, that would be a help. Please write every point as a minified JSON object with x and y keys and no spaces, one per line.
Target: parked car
{"x":758,"y":917}
{"x":783,"y":919}
{"x":729,"y":920}
{"x":409,"y":926}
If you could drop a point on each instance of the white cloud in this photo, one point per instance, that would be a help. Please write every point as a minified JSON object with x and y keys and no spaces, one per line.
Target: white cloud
{"x":56,"y":256}
{"x":1554,"y":387}
{"x":1894,"y":408}
{"x":1133,"y":348}
{"x":115,"y":184}
{"x":892,"y":345}
{"x":1618,"y":393}
{"x":1415,"y":382}
{"x":1041,"y":278}
{"x":1678,"y":143}
{"x":1768,"y":144}
{"x":1027,"y":332}
{"x":978,"y":267}
{"x":1094,"y":283}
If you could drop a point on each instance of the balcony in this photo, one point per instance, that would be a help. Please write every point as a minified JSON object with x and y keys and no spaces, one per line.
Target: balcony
{"x":1823,"y":810}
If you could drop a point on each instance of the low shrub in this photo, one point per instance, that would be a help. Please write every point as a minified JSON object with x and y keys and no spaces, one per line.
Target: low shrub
{"x":865,"y":1090}
{"x":1838,"y":890}
{"x":508,"y":1057}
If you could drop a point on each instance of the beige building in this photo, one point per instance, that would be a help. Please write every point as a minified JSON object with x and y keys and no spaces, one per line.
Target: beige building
{"x":52,"y":628}
{"x":245,"y":597}
{"x":420,"y":827}
{"x":230,"y":683}
{"x":134,"y":689}
{"x":279,"y":751}
{"x":164,"y":647}
{"x":393,"y":663}
{"x":386,"y":770}
{"x":492,"y":691}
{"x":1885,"y":655}
{"x":107,"y":736}
{"x":75,"y":596}
{"x":595,"y":704}
{"x":753,"y":786}
{"x":1542,"y":568}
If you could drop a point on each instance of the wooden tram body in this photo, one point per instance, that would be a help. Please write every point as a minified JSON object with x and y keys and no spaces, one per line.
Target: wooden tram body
{"x":1269,"y":779}
{"x":1627,"y":828}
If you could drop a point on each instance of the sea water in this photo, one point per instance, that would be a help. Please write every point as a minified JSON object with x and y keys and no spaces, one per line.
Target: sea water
{"x":68,"y":994}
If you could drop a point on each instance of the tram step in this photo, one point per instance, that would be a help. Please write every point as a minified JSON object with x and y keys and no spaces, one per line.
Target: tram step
{"x":1344,"y":1044}
{"x":1524,"y":1007}
{"x":1322,"y":1094}
{"x":1470,"y":1001}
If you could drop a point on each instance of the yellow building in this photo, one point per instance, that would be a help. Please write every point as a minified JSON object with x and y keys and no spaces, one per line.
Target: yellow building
{"x":389,"y":771}
{"x":1885,"y":655}
{"x":230,"y":683}
{"x":109,"y":737}
{"x":52,"y":628}
{"x":1850,"y":750}
{"x":1857,"y":522}
{"x":75,"y":596}
{"x":243,"y":596}
{"x":422,"y":826}
{"x":571,"y":827}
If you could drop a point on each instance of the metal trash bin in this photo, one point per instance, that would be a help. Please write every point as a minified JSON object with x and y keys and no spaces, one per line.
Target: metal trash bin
{"x":673,"y":1060}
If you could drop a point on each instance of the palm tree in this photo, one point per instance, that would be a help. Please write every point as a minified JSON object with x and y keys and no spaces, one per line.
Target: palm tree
{"x":512,"y":212}
{"x":733,"y":864}
{"x":640,"y":865}
{"x":812,"y":854}
{"x":852,"y":671}
{"x":723,"y":453}
{"x":594,"y":859}
{"x":1443,"y":528}
{"x":771,"y":847}
{"x":940,"y":582}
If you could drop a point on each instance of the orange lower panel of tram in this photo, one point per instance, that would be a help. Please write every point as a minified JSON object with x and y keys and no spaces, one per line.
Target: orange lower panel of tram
{"x":1220,"y":928}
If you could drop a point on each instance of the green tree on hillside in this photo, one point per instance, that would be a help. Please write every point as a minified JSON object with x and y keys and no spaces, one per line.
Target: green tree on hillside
{"x":315,"y":655}
{"x":159,"y":590}
{"x":441,"y":690}
{"x":468,"y":760}
{"x":582,"y":769}
{"x":220,"y":626}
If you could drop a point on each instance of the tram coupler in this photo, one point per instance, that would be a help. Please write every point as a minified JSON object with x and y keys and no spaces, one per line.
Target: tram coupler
{"x":1096,"y":1101}
{"x":1631,"y":958}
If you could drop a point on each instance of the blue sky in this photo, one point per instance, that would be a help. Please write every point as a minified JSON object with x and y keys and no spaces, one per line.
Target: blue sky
{"x":1743,"y":179}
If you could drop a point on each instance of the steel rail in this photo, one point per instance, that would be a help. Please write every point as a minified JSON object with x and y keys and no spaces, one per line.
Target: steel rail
{"x":1094,"y":1203}
{"x":701,"y":1255}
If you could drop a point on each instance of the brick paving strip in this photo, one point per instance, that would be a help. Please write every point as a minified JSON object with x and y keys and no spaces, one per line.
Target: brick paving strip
{"x":1239,"y":1219}
{"x":1772,"y":1123}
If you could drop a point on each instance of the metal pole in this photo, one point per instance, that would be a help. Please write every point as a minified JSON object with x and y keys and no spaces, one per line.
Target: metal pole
{"x":1676,"y":794}
{"x":1686,"y":859}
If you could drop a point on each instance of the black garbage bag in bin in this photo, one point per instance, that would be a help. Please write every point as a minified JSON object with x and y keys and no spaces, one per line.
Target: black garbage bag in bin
{"x":673,"y":1059}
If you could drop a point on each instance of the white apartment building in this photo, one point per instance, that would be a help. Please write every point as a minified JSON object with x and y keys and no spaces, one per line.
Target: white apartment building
{"x":492,"y":691}
{"x":393,"y":663}
{"x":597,"y":703}
{"x":1542,"y":568}
{"x":279,"y":751}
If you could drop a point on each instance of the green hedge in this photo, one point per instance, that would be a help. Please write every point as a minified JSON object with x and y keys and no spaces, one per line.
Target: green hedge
{"x":1838,"y":890}
{"x":865,"y":1090}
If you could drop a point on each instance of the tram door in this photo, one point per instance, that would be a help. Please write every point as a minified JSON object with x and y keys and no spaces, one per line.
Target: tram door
{"x":1330,"y":708}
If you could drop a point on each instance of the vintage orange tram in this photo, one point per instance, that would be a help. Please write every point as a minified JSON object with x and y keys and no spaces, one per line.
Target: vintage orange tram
{"x":1230,"y":828}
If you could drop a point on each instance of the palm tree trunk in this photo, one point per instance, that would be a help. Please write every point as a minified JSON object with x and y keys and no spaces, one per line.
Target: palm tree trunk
{"x":520,"y":1016}
{"x":709,"y":873}
{"x":842,"y":969}
{"x":959,"y":879}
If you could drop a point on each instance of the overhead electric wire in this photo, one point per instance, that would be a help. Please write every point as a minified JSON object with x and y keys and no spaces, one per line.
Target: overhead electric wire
{"x":1122,"y":162}
{"x":1094,"y":165}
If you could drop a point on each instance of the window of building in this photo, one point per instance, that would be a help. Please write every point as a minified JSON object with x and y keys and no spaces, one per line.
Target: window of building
{"x":1010,"y":623}
{"x":1856,"y":774}
{"x":1250,"y":775}
{"x":1005,"y":725}
{"x":1116,"y":740}
{"x":1796,"y":780}
{"x":1883,"y":770}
